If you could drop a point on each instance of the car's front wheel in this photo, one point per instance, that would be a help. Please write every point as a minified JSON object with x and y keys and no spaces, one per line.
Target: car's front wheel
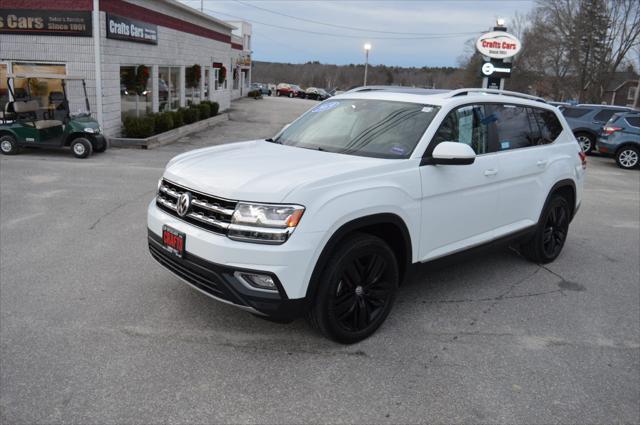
{"x":628,"y":157}
{"x":356,"y":290}
{"x":587,"y":142}
{"x":290,"y":95}
{"x":81,"y":147}
{"x":551,"y":232}
{"x":8,"y":145}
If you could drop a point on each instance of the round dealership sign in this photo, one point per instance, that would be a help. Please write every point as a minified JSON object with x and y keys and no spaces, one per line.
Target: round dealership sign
{"x":498,"y":45}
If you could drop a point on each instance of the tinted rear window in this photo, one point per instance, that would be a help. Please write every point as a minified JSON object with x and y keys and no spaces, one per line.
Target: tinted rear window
{"x":634,"y":121}
{"x":550,"y":127}
{"x":604,"y":115}
{"x":575,"y":112}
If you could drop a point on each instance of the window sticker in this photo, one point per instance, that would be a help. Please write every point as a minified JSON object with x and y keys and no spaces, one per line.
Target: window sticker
{"x":326,"y":107}
{"x":397,"y":150}
{"x":427,"y":109}
{"x":505,"y":145}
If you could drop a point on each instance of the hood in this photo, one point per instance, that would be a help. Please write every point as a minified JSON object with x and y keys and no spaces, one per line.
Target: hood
{"x":259,"y":171}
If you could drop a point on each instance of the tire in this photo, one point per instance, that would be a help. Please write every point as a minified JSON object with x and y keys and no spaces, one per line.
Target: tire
{"x":8,"y":145}
{"x":628,"y":157}
{"x":551,"y":232}
{"x":357,"y":289}
{"x":587,"y":142}
{"x":290,"y":95}
{"x":278,"y":94}
{"x":103,"y":147}
{"x":81,"y":147}
{"x":269,"y":94}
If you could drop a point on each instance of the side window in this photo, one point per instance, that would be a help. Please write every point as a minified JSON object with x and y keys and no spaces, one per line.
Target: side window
{"x":549,"y":125}
{"x":604,"y":115}
{"x":467,"y":124}
{"x":514,"y":129}
{"x":575,"y":112}
{"x":633,"y":121}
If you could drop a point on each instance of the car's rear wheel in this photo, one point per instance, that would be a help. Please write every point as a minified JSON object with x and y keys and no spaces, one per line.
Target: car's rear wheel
{"x":356,"y":290}
{"x":587,"y":142}
{"x":81,"y":147}
{"x":628,"y":157}
{"x":551,"y":232}
{"x":8,"y":145}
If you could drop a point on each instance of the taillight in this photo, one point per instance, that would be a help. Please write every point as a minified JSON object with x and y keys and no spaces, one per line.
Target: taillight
{"x":583,"y":159}
{"x":608,"y":130}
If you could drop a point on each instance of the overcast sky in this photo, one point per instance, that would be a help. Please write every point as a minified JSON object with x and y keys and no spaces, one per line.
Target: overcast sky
{"x":428,"y":33}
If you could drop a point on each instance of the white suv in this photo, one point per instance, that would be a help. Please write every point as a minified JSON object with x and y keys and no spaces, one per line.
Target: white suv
{"x":324,"y":219}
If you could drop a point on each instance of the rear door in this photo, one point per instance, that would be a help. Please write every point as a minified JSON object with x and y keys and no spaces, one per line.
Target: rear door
{"x":526,"y":151}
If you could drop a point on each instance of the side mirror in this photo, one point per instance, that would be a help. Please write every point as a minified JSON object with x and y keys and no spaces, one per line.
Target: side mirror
{"x":452,"y":153}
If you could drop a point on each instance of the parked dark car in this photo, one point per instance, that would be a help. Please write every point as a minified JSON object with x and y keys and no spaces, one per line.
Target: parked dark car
{"x":620,"y":138}
{"x":586,"y":121}
{"x":262,"y":88}
{"x":316,"y":93}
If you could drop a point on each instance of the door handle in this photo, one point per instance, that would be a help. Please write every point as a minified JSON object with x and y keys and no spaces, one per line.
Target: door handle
{"x":542,"y":163}
{"x":490,"y":172}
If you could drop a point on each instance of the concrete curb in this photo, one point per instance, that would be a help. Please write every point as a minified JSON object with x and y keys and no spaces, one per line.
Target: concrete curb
{"x":168,"y":136}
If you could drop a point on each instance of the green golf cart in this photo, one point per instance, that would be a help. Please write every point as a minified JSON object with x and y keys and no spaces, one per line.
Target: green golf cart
{"x":33,"y":119}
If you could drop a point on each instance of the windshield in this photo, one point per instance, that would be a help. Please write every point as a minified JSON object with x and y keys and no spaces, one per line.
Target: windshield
{"x":376,"y":128}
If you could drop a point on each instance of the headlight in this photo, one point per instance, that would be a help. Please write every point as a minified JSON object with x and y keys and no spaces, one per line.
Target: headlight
{"x":264,"y":223}
{"x":91,"y":130}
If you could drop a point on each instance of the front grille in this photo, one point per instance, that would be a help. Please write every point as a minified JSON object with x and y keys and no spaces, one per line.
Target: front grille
{"x":193,"y":273}
{"x":206,"y":211}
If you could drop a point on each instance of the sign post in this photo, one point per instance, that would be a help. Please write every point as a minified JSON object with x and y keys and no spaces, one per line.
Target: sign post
{"x":497,"y":49}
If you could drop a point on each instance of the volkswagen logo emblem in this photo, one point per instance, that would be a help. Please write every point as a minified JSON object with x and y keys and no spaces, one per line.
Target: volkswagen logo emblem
{"x":183,"y":204}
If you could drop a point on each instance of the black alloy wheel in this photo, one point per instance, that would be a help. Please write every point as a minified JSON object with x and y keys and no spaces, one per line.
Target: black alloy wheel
{"x":551,"y":233}
{"x":555,"y":230}
{"x":357,"y":289}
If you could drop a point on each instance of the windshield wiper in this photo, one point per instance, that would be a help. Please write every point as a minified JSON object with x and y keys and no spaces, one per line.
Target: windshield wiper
{"x":270,"y":140}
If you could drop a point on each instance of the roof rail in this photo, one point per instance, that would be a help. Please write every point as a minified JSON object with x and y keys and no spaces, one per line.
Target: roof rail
{"x":397,"y":89}
{"x":464,"y":92}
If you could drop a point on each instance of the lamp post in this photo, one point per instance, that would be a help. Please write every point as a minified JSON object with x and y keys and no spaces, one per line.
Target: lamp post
{"x":367,"y":47}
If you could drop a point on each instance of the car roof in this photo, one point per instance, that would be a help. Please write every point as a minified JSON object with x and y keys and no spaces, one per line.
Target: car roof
{"x":442,"y":97}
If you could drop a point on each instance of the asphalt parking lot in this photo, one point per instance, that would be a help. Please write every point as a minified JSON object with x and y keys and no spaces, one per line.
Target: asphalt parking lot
{"x":92,"y":330}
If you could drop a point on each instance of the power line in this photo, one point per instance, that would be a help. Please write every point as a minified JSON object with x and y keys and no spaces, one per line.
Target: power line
{"x":360,"y":37}
{"x":339,"y":26}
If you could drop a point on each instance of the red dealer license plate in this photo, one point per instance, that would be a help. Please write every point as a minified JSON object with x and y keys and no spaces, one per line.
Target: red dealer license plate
{"x":173,"y":240}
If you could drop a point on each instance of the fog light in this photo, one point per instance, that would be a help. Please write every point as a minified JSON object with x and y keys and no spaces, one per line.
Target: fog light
{"x":257,"y":281}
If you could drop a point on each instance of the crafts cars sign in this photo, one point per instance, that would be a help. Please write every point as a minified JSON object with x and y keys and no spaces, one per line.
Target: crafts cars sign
{"x":45,"y":22}
{"x":121,"y":28}
{"x":498,"y":45}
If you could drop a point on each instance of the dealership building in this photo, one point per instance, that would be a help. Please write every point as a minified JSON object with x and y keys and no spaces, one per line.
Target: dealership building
{"x":136,"y":56}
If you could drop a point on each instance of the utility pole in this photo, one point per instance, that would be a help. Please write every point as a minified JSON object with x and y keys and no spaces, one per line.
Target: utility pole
{"x":367,"y":47}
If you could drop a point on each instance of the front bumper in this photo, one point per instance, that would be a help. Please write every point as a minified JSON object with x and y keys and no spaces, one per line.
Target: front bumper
{"x":210,"y":260}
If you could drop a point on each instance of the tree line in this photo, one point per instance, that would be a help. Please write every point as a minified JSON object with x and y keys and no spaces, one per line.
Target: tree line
{"x":316,"y":74}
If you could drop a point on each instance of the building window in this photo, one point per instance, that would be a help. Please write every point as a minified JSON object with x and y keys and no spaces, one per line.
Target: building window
{"x":47,"y":91}
{"x":136,"y":90}
{"x":169,"y":88}
{"x":632,"y":93}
